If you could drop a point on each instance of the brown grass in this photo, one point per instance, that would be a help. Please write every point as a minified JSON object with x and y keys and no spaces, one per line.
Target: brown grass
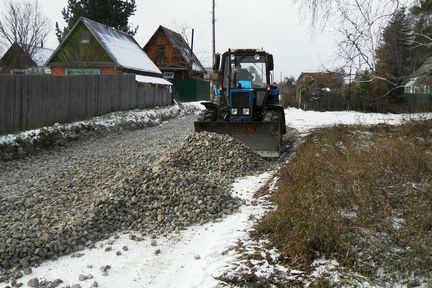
{"x":362,"y":195}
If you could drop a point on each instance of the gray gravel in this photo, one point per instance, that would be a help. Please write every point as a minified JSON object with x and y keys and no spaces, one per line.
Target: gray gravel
{"x":74,"y":173}
{"x":99,"y":158}
{"x":155,"y":180}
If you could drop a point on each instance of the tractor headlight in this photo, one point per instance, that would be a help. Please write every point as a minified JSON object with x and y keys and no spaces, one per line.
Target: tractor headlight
{"x":234,"y":111}
{"x":246,"y":111}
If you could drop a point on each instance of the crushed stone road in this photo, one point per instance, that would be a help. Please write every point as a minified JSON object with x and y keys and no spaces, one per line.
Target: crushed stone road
{"x":89,"y":163}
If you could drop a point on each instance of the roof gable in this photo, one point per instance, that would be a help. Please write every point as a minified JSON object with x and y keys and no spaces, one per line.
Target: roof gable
{"x":424,"y":69}
{"x":121,"y":47}
{"x":182,"y":48}
{"x":16,"y":57}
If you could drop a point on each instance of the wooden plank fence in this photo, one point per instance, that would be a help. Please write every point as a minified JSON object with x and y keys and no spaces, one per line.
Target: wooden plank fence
{"x":30,"y":101}
{"x":334,"y":101}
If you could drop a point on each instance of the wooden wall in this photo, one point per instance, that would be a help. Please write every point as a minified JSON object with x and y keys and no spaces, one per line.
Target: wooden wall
{"x":172,"y":58}
{"x":28,"y":102}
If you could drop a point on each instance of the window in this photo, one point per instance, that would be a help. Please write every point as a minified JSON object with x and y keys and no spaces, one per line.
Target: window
{"x":160,"y":53}
{"x":168,"y":75}
{"x":85,"y":37}
{"x":83,"y":72}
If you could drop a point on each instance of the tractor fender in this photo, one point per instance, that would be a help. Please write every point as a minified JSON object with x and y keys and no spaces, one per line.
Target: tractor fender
{"x":273,"y":107}
{"x":209,"y":105}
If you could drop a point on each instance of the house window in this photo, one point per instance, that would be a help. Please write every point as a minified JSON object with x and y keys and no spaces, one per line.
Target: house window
{"x":85,"y":37}
{"x":168,"y":75}
{"x":83,"y":72}
{"x":160,"y":53}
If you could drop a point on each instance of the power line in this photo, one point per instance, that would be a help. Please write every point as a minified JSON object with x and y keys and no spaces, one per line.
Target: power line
{"x":232,"y":27}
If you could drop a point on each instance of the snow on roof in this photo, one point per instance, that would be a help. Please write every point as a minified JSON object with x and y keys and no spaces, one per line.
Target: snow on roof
{"x":41,"y":55}
{"x":424,"y":69}
{"x":153,"y":80}
{"x":122,"y":47}
{"x":411,"y":82}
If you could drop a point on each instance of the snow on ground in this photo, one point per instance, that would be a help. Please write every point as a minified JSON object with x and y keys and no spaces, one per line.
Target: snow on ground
{"x":143,"y":118}
{"x":304,"y":121}
{"x":191,"y":259}
{"x":195,"y":257}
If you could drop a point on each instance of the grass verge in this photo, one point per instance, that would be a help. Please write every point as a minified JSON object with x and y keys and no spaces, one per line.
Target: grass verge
{"x":362,"y":195}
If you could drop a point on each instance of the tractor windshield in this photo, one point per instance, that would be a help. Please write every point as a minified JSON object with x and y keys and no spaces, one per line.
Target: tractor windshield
{"x":246,"y":71}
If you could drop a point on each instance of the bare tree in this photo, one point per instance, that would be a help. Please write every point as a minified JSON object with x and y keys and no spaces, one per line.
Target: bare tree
{"x":24,"y":23}
{"x":359,"y":24}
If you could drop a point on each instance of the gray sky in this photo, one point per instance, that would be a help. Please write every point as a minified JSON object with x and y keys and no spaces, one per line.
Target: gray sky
{"x":274,"y":25}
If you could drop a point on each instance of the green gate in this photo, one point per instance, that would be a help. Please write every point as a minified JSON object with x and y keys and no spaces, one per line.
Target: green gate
{"x":189,"y":90}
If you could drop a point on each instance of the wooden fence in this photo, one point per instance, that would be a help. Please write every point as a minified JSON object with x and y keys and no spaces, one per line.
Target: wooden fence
{"x":28,"y":102}
{"x":334,"y":101}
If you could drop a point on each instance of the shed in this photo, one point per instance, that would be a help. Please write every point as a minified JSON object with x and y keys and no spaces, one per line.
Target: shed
{"x":172,"y":54}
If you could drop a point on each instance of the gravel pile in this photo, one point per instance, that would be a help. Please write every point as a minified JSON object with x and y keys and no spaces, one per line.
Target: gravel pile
{"x":188,"y":185}
{"x":219,"y":157}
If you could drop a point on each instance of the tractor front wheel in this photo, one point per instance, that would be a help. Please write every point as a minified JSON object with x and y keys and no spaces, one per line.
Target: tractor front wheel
{"x":275,"y":116}
{"x":207,"y":115}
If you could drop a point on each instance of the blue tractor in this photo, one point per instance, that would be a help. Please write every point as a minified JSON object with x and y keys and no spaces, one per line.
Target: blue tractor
{"x":245,"y":104}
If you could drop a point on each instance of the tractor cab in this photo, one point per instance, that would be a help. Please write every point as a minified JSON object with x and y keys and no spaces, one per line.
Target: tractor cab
{"x":245,"y":83}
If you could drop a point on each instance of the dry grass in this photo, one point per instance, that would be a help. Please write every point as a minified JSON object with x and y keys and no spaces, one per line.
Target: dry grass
{"x":362,"y":195}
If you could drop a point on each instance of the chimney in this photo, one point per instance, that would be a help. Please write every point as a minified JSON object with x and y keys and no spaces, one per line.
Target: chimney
{"x":41,"y":44}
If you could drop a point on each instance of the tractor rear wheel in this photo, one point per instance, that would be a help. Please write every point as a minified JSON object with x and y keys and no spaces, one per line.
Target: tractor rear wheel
{"x":207,"y":115}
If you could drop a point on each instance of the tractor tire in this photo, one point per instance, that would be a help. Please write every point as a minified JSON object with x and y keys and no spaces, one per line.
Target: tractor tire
{"x":207,"y":115}
{"x":275,"y":116}
{"x":272,"y":116}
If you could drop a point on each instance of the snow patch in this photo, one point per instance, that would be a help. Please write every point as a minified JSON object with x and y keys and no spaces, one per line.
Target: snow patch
{"x":177,"y":264}
{"x":305,"y":121}
{"x":137,"y":118}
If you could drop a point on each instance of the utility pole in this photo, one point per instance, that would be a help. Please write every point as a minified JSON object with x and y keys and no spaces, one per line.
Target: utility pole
{"x":212,"y":84}
{"x":191,"y":55}
{"x":214,"y":32}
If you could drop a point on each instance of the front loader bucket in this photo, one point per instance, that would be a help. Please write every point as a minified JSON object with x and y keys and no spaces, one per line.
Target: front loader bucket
{"x":262,"y":137}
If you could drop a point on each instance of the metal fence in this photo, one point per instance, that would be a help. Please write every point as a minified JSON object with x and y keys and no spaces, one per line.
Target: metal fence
{"x":28,"y":102}
{"x":187,"y":90}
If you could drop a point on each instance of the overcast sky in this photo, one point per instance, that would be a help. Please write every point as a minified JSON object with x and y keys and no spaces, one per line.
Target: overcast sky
{"x":274,"y":25}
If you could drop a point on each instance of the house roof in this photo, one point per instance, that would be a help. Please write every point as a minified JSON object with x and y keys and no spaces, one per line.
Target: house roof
{"x":41,"y":55}
{"x":411,"y":82}
{"x":152,"y":80}
{"x":317,"y":74}
{"x":122,"y":47}
{"x":425,"y":69}
{"x":182,"y":47}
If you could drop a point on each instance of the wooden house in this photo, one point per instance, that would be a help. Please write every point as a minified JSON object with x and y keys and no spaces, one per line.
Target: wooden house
{"x":420,"y":81}
{"x":94,"y":48}
{"x":172,"y":54}
{"x":310,"y":85}
{"x":17,"y":61}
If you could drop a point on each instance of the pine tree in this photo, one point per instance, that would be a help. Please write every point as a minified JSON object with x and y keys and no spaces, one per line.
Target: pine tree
{"x":113,"y":13}
{"x":422,"y":14}
{"x":395,"y":53}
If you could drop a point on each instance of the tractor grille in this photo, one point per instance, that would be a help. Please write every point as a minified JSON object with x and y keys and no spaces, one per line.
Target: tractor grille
{"x":240,"y":99}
